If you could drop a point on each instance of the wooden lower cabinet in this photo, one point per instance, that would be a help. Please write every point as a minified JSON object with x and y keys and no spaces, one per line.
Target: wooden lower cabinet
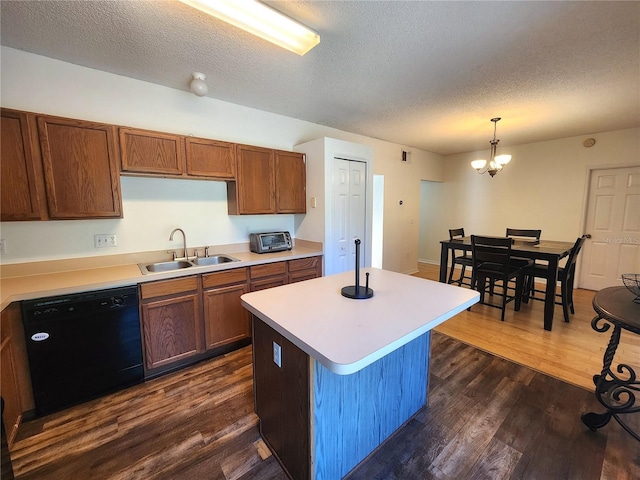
{"x":171,"y":321}
{"x":282,"y":399}
{"x":304,"y":269}
{"x":268,"y":275}
{"x":188,"y":319}
{"x":15,"y":381}
{"x":225,"y":319}
{"x":280,"y":273}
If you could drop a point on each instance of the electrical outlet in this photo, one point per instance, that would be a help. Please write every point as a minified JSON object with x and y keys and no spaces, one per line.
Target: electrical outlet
{"x":277,"y":354}
{"x":105,"y":240}
{"x":3,"y":246}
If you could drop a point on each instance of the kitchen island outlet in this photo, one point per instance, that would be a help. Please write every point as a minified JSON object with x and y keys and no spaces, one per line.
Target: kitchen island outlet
{"x":334,"y":377}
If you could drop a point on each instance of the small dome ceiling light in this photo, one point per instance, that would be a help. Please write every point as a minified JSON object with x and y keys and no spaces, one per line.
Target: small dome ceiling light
{"x":197,"y":85}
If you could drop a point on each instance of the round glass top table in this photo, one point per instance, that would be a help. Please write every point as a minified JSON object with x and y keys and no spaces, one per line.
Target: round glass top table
{"x":617,"y":390}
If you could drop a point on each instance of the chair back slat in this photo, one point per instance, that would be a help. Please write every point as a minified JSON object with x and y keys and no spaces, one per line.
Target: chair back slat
{"x":491,"y":252}
{"x":524,"y":233}
{"x":456,"y":233}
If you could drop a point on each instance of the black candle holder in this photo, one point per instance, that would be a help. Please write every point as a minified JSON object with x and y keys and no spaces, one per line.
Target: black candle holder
{"x":356,"y":291}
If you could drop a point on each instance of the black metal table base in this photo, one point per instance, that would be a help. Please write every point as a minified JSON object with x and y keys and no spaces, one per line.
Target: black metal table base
{"x":616,"y":390}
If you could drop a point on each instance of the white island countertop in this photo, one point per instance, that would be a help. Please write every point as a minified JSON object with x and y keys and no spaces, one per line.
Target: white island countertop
{"x":346,"y":335}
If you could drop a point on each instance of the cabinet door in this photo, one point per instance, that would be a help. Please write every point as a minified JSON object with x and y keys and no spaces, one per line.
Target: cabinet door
{"x":172,"y":329}
{"x":291,"y":182}
{"x":144,"y":151}
{"x":225,"y":319}
{"x":21,"y":171}
{"x":255,"y":183}
{"x":210,"y":158}
{"x":9,"y":391}
{"x":80,"y":161}
{"x":15,"y":382}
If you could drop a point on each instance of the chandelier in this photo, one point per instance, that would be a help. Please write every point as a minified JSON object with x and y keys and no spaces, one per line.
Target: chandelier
{"x":496,"y":162}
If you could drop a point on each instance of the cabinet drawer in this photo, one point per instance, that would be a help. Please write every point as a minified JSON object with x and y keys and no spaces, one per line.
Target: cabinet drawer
{"x":168,"y":287}
{"x":268,"y":269}
{"x":303,"y":264}
{"x":302,"y":276}
{"x":237,"y":275}
{"x":268,"y":283}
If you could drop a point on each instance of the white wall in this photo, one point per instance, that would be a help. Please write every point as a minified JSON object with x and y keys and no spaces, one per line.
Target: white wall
{"x":152,"y":207}
{"x":544,"y":187}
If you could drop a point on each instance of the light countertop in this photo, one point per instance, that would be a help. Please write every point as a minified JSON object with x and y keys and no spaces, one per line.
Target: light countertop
{"x":71,"y":276}
{"x":346,"y":335}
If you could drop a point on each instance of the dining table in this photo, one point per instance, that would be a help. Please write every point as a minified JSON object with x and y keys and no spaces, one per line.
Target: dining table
{"x":549,"y":251}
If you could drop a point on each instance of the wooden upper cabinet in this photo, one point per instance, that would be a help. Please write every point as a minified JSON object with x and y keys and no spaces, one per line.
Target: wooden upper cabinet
{"x":267,"y":181}
{"x":210,"y":158}
{"x":253,"y":192}
{"x":291,"y":182}
{"x":144,"y":151}
{"x":80,"y":162}
{"x":22,"y":186}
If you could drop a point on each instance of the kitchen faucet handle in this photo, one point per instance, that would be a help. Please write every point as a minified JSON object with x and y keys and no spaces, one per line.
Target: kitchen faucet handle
{"x":206,"y":251}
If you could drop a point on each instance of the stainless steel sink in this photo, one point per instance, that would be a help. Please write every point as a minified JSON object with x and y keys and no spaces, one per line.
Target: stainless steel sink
{"x":214,"y":260}
{"x":164,"y":266}
{"x":146,"y":268}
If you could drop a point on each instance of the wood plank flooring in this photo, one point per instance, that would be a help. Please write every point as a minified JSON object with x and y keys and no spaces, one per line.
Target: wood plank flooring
{"x":571,"y":351}
{"x":488,"y":418}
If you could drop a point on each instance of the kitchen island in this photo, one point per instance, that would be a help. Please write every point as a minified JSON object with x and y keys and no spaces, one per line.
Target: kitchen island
{"x":333,"y":376}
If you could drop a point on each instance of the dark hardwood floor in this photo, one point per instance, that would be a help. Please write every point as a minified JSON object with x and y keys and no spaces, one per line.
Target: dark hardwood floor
{"x":487,"y":418}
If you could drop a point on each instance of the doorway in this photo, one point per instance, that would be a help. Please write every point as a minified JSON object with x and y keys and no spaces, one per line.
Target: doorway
{"x":613,"y":221}
{"x":377,"y":233}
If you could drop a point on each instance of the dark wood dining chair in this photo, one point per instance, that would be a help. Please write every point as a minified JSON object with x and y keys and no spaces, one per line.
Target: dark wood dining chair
{"x":492,"y":260}
{"x":566,"y":276}
{"x":460,"y":257}
{"x":524,"y":234}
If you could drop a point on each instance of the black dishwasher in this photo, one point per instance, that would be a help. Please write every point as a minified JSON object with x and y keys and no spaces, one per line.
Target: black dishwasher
{"x":82,"y":346}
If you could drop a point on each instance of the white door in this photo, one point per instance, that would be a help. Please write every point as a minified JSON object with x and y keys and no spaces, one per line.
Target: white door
{"x":613,"y":221}
{"x":348,"y":184}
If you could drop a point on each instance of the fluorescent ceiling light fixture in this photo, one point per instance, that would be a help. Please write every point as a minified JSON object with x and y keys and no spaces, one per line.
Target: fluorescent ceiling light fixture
{"x":257,"y":18}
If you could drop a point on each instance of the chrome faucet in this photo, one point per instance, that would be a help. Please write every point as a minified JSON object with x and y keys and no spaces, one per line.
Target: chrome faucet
{"x":184,"y":237}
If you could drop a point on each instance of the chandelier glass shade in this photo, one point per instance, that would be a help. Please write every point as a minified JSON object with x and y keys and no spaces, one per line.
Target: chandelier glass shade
{"x":496,"y":162}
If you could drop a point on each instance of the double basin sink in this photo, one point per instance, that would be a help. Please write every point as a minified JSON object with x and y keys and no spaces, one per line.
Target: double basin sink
{"x":146,"y":268}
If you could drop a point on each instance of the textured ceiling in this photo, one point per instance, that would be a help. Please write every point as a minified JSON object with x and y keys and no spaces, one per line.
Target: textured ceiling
{"x":422,"y":74}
